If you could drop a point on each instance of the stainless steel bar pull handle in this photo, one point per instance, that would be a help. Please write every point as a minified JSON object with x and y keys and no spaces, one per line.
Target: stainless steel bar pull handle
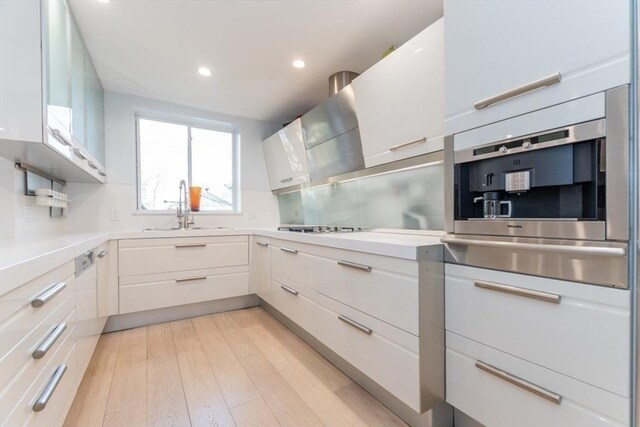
{"x":46,"y":394}
{"x":566,"y":249}
{"x":48,"y":342}
{"x":287,"y":179}
{"x":191,"y":245}
{"x":289,"y":251}
{"x":191,"y":279}
{"x":60,"y":137}
{"x":290,"y":290}
{"x":47,"y":294}
{"x":262,"y":244}
{"x":79,"y":153}
{"x":525,"y":385}
{"x":355,"y":324}
{"x":354,"y":265}
{"x":408,"y":144}
{"x":101,"y":173}
{"x":527,"y":293}
{"x":104,"y":253}
{"x":520,"y":90}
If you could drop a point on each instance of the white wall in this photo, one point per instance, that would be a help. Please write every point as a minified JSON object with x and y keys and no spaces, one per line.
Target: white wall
{"x":94,"y":206}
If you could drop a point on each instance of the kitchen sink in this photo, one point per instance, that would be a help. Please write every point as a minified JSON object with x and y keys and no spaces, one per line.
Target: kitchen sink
{"x":183,"y":229}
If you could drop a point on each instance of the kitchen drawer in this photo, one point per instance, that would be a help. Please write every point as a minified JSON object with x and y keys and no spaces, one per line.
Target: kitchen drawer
{"x":55,"y":412}
{"x":372,"y":346}
{"x":22,"y":322}
{"x":543,"y":398}
{"x":383,"y":287}
{"x":12,"y":302}
{"x":584,"y":335}
{"x":18,"y":368}
{"x":171,"y":289}
{"x":146,"y":256}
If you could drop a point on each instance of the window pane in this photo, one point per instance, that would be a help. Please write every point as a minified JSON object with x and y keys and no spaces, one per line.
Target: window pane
{"x":212,"y":168}
{"x":163,"y":162}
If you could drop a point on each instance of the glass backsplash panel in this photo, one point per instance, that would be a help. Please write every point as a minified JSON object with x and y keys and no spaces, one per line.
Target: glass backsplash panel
{"x":409,"y":199}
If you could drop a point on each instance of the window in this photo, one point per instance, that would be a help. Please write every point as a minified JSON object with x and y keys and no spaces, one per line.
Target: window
{"x":203,"y":156}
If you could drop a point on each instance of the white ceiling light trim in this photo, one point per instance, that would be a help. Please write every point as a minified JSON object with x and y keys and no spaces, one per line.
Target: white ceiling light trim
{"x":204,"y":71}
{"x":298,"y":63}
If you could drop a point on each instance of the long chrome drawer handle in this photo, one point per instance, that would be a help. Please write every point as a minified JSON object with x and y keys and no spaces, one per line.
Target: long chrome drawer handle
{"x":60,"y":137}
{"x":191,"y":279}
{"x":576,"y":250}
{"x":191,"y":245}
{"x":104,"y":253}
{"x":286,"y":180}
{"x":520,"y":90}
{"x":47,"y":294}
{"x":532,"y":388}
{"x":527,"y":293}
{"x":48,"y":342}
{"x":79,"y":153}
{"x":354,"y":265}
{"x":355,"y":324}
{"x":262,"y":244}
{"x":46,"y":394}
{"x":289,"y":251}
{"x":408,"y":144}
{"x":290,"y":290}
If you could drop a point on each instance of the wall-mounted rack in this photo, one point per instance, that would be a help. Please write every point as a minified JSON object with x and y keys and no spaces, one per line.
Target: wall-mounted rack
{"x":46,"y":188}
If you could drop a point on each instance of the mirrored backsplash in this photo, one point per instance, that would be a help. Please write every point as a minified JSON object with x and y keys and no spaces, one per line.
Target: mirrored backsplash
{"x":407,"y":199}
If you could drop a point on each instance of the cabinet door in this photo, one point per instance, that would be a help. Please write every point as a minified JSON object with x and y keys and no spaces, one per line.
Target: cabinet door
{"x":77,"y":85}
{"x":400,"y":100}
{"x":94,"y":110}
{"x":58,"y":37}
{"x":20,"y":71}
{"x":286,"y":157}
{"x":261,"y":268}
{"x":107,"y":258}
{"x":501,"y":47}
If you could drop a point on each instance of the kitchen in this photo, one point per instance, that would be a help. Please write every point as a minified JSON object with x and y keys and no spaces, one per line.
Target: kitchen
{"x":276,"y":213}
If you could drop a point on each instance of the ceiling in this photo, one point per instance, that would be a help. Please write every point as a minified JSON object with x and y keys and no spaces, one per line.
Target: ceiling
{"x":153,"y":48}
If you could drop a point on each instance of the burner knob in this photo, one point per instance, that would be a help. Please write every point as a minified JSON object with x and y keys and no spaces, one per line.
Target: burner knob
{"x":526,"y":145}
{"x":503,"y":149}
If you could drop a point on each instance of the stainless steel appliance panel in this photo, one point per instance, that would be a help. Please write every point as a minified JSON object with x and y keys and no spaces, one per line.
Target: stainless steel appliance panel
{"x":561,"y":229}
{"x":337,"y":156}
{"x":599,"y":263}
{"x":334,"y":117}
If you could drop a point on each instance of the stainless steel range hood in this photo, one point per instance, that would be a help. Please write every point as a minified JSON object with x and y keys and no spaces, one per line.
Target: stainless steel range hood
{"x":332,"y":138}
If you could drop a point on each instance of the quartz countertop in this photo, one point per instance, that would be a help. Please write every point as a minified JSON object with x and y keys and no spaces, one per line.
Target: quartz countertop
{"x":24,"y":260}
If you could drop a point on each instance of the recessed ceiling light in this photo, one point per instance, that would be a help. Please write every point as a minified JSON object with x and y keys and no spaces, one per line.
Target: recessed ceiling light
{"x":204,"y":71}
{"x":298,"y":63}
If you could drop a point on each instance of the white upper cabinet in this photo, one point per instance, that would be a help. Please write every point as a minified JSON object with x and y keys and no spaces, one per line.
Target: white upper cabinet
{"x":507,"y":58}
{"x":286,"y":158}
{"x":58,"y":67}
{"x":400,"y":100}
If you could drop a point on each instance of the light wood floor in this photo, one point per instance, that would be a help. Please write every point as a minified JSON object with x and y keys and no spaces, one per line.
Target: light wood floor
{"x":239,"y":368}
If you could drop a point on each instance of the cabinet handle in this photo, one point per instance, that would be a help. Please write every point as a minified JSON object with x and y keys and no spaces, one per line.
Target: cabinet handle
{"x":60,"y":137}
{"x":47,"y":294}
{"x":46,"y":394}
{"x":103,"y":253}
{"x":525,"y":385}
{"x":79,"y":153}
{"x":49,"y":341}
{"x":290,"y":290}
{"x":289,"y":251}
{"x":407,"y":144}
{"x":101,"y":173}
{"x":354,"y":265}
{"x":520,"y":90}
{"x":190,"y":279}
{"x":527,"y":293}
{"x":92,"y":165}
{"x":355,"y":324}
{"x":262,"y":244}
{"x":191,"y":245}
{"x":287,"y":179}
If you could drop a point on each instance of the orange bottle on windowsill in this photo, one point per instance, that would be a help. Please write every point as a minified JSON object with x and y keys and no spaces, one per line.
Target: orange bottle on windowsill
{"x":194,"y":198}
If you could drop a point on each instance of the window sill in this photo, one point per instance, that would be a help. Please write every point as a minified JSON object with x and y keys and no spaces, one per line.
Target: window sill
{"x":173,"y":213}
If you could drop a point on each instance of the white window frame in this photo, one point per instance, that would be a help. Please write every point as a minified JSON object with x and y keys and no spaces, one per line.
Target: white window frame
{"x":200,"y":124}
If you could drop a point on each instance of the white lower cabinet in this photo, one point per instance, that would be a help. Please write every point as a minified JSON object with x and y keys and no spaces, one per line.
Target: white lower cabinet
{"x":260,"y":275}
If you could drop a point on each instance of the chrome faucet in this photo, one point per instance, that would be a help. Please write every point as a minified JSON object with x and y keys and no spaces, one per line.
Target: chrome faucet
{"x":183,"y":211}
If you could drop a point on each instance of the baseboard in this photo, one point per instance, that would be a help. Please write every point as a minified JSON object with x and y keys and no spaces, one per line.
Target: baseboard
{"x":160,"y":315}
{"x":440,"y":416}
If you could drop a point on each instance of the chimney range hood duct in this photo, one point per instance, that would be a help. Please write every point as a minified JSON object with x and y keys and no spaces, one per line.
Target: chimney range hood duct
{"x":340,"y":80}
{"x":331,"y":136}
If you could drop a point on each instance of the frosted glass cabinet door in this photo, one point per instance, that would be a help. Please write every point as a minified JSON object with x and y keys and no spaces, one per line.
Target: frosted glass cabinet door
{"x":400,"y":100}
{"x":506,"y":47}
{"x":94,"y":114}
{"x":77,"y":86}
{"x":286,"y":157}
{"x":58,"y":39}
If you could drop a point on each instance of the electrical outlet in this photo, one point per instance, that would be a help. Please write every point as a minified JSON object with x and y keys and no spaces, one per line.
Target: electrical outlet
{"x":253,"y":216}
{"x":114,"y":215}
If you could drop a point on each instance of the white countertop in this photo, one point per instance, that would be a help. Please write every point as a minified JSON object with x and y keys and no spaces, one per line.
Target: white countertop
{"x":24,"y":260}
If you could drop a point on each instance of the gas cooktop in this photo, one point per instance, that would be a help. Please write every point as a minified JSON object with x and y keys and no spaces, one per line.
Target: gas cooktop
{"x":319,"y":229}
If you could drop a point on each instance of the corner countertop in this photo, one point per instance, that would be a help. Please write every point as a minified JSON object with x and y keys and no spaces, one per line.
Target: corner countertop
{"x":24,"y":260}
